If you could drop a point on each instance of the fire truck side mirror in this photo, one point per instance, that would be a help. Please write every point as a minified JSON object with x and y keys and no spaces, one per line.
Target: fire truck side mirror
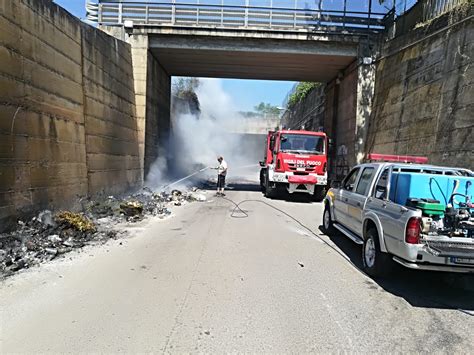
{"x":272,"y":143}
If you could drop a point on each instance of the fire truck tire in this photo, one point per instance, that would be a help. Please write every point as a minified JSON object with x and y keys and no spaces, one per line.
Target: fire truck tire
{"x":319,"y":193}
{"x":262,"y":180}
{"x":375,"y":262}
{"x":270,"y":192}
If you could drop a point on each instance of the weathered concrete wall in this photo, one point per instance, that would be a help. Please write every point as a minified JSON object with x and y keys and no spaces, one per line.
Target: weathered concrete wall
{"x":62,"y":84}
{"x":112,"y":149}
{"x":424,"y":97}
{"x":256,"y":125}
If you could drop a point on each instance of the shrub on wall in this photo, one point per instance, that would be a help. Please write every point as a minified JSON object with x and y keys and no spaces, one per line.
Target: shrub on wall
{"x":301,"y":91}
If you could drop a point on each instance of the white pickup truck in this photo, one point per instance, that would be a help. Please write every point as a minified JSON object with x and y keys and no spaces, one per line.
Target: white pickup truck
{"x":419,"y":216}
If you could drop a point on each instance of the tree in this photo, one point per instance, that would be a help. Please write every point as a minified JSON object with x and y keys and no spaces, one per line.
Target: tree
{"x":185,"y":88}
{"x":266,"y":109}
{"x":183,"y":85}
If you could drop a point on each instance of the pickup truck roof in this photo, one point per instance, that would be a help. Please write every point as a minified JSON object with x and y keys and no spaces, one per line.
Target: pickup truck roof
{"x":423,"y":168}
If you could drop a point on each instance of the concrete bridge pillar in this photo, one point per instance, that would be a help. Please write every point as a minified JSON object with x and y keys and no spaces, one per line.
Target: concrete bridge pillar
{"x":152,"y":98}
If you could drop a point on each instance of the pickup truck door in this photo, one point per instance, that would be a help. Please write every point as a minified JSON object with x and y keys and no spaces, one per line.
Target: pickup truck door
{"x":342,"y":197}
{"x":357,"y":198}
{"x":391,"y":215}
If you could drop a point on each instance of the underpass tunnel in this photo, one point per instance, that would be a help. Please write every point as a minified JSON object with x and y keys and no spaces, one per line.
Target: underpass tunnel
{"x":336,"y":61}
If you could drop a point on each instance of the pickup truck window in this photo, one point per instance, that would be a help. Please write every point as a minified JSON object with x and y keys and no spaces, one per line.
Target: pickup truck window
{"x":380,"y":191}
{"x":364,"y":181}
{"x":349,"y":181}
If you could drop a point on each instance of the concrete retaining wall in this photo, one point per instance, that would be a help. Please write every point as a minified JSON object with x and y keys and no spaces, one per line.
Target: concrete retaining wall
{"x":62,"y":84}
{"x":424,"y":96}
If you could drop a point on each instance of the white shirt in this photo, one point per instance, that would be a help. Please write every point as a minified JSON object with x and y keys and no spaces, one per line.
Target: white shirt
{"x":222,"y":168}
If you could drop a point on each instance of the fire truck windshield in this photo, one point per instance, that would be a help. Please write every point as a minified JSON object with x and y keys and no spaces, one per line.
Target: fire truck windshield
{"x":302,"y":144}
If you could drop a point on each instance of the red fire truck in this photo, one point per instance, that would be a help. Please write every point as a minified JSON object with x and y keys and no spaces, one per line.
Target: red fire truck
{"x":295,"y":161}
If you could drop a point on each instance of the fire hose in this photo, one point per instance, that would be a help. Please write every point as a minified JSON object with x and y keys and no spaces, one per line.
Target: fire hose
{"x":200,"y":171}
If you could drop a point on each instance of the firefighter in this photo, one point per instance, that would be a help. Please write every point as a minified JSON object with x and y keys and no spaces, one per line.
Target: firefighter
{"x":221,"y":174}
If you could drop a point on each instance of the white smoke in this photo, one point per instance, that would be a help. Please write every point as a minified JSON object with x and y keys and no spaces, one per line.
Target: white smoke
{"x":197,"y":140}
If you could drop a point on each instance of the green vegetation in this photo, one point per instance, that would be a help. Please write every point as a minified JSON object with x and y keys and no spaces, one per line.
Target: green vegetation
{"x":185,"y":88}
{"x":266,"y":109}
{"x":301,"y":91}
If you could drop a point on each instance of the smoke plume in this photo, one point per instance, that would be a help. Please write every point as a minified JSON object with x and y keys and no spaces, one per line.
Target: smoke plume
{"x":198,"y":139}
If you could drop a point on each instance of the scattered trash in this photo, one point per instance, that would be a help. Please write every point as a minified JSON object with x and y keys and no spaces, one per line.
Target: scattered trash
{"x":76,"y":221}
{"x":46,"y":218}
{"x":51,"y":251}
{"x":131,"y":208}
{"x":54,"y":238}
{"x":48,"y":236}
{"x":194,"y":196}
{"x":301,"y":264}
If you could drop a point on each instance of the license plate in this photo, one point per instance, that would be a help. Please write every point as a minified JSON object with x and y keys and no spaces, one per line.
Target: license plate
{"x":462,"y":261}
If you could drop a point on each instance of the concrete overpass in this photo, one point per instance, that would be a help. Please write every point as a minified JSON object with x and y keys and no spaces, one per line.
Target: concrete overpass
{"x":246,"y":42}
{"x":248,"y":55}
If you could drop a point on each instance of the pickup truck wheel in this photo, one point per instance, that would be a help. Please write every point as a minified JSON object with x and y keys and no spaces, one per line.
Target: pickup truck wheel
{"x":376,"y":263}
{"x":327,"y":220}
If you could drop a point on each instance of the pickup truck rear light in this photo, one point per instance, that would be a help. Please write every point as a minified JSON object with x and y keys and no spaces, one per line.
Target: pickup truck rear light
{"x":413,"y":232}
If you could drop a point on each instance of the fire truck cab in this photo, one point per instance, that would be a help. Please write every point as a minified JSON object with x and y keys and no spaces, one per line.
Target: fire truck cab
{"x":295,"y":161}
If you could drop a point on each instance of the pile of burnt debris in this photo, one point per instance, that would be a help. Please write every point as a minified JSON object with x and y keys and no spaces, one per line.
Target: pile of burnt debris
{"x":50,"y":235}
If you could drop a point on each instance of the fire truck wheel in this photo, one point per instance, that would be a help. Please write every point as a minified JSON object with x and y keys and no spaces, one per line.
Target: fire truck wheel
{"x":319,"y":193}
{"x":270,"y":192}
{"x":262,"y":180}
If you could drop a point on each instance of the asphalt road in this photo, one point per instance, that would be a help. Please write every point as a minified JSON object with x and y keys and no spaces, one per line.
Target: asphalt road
{"x":204,"y":281}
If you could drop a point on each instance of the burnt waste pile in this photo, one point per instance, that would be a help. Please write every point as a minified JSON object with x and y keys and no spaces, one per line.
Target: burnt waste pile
{"x":51,"y":235}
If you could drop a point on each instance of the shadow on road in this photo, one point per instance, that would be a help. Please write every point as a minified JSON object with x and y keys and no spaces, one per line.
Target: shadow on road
{"x":425,"y":289}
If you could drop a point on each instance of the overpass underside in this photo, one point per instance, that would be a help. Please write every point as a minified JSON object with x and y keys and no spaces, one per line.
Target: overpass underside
{"x":253,"y":56}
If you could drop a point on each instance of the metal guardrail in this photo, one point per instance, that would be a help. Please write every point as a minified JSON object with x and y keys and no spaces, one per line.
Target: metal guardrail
{"x":434,"y":8}
{"x":152,"y":13}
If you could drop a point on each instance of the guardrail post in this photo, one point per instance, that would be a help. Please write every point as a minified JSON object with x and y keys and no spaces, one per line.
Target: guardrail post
{"x":222,"y":13}
{"x":246,"y":19}
{"x":173,"y":12}
{"x":271,"y":13}
{"x":294,"y":14}
{"x":99,"y":17}
{"x":197,"y":13}
{"x":344,"y":16}
{"x":370,"y":12}
{"x":146,"y":14}
{"x":120,"y":19}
